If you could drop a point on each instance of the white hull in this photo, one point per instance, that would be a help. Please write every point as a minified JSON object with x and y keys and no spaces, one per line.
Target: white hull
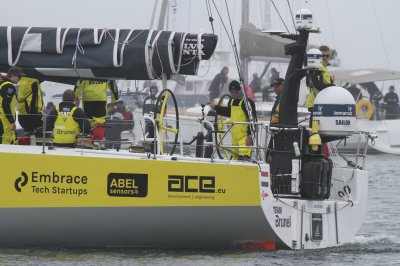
{"x":387,"y":132}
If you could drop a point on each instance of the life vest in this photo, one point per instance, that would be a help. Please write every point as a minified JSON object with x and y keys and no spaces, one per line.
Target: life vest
{"x":149,"y":105}
{"x":25,"y":97}
{"x":313,"y":92}
{"x":239,"y":131}
{"x":275,"y":116}
{"x":90,"y":90}
{"x":66,"y":129}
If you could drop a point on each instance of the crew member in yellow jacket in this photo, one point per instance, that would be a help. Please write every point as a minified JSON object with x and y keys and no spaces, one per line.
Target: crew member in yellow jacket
{"x":67,"y":121}
{"x":278,"y":87}
{"x":236,"y":110}
{"x":30,"y":104}
{"x":93,"y":95}
{"x":7,"y":105}
{"x":318,"y":77}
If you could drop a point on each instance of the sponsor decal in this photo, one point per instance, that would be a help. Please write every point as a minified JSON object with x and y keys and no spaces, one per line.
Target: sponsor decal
{"x":21,"y":181}
{"x":51,"y":183}
{"x":343,"y":122}
{"x":285,"y":222}
{"x":200,"y":187}
{"x":127,"y":185}
{"x":333,"y":110}
{"x":191,"y":47}
{"x":277,"y":209}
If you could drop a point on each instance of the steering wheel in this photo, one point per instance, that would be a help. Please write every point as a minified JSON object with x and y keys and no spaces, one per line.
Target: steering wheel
{"x":166,"y":102}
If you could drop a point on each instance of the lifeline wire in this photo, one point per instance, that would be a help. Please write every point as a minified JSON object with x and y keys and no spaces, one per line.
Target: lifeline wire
{"x":210,"y":16}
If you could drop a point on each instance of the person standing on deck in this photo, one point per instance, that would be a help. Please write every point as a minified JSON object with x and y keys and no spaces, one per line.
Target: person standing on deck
{"x":94,"y":97}
{"x":8,"y":102}
{"x":236,"y":110}
{"x":149,"y":108}
{"x":319,"y":77}
{"x":30,"y":104}
{"x":392,"y":104}
{"x":278,"y":87}
{"x":218,"y":83}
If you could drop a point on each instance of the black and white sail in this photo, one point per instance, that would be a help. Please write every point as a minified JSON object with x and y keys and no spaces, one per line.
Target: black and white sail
{"x":68,"y":54}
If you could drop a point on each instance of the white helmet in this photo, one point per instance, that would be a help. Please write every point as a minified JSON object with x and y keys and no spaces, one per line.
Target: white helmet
{"x":314,"y":58}
{"x":304,"y":19}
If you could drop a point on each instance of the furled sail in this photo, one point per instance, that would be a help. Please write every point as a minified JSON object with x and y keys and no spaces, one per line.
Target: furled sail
{"x":68,"y":54}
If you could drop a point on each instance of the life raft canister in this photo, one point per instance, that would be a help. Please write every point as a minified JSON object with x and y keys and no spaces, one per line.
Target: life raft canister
{"x":364,"y":104}
{"x":334,"y":108}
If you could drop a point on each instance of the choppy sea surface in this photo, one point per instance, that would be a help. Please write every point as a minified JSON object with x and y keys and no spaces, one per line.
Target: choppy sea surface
{"x":377,"y":242}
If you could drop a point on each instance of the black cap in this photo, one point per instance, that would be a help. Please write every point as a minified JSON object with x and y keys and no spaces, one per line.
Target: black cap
{"x":15,"y":71}
{"x":278,"y":81}
{"x":234,"y":86}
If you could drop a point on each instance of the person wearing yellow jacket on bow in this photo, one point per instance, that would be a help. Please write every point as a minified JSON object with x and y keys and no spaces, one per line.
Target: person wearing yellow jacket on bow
{"x":7,"y":105}
{"x":236,"y":110}
{"x":30,"y":104}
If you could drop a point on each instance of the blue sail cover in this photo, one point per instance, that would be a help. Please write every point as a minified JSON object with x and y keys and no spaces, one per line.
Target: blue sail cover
{"x":69,"y":54}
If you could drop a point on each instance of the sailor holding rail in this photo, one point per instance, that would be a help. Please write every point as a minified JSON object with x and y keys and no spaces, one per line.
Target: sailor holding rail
{"x":236,"y":110}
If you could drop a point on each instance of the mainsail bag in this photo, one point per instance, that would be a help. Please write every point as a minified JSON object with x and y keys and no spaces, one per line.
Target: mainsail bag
{"x":68,"y":54}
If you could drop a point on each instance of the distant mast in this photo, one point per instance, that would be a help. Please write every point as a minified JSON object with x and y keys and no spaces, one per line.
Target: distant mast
{"x":179,"y":15}
{"x":245,"y":21}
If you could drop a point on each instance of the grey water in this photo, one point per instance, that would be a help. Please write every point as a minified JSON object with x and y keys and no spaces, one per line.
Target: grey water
{"x":377,"y":242}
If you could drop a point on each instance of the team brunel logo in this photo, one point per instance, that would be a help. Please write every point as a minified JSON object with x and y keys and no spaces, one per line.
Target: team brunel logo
{"x":21,"y":181}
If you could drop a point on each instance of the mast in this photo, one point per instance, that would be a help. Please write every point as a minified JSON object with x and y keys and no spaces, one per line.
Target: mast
{"x":163,"y":13}
{"x":294,"y":74}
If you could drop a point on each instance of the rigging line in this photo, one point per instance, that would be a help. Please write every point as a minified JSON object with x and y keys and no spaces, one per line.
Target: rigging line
{"x":210,"y":16}
{"x":291,"y":14}
{"x":222,"y":22}
{"x":249,"y":109}
{"x":279,"y":14}
{"x":233,"y":44}
{"x":380,"y":32}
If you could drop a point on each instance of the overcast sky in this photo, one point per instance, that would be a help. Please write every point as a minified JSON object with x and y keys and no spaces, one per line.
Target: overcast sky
{"x":350,"y":26}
